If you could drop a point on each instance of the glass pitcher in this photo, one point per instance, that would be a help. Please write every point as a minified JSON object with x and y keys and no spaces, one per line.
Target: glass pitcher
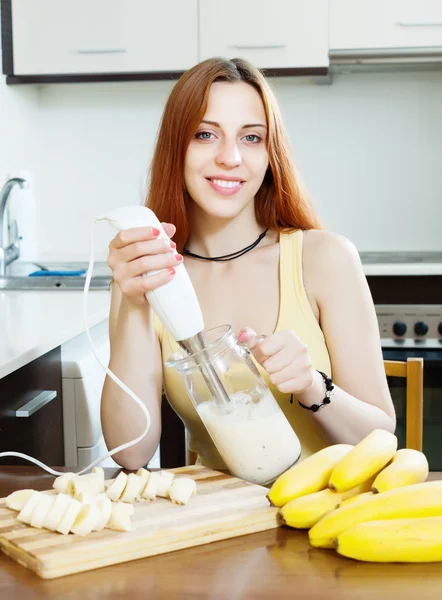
{"x":250,"y":431}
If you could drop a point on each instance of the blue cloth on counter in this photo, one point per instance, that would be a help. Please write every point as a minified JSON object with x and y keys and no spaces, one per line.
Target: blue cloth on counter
{"x":57,"y":273}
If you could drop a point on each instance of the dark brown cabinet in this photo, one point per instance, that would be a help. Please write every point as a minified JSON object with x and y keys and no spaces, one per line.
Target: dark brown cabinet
{"x":31,"y":411}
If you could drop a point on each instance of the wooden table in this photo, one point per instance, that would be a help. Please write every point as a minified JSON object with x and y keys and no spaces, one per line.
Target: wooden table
{"x":269,"y":565}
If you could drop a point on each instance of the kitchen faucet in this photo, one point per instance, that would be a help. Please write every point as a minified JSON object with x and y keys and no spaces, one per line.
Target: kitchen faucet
{"x":9,"y":253}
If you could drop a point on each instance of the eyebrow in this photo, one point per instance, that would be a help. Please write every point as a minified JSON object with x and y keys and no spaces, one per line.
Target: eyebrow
{"x":215,"y":124}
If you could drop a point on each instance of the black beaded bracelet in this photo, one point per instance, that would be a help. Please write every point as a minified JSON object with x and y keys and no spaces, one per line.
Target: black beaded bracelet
{"x":329,"y":387}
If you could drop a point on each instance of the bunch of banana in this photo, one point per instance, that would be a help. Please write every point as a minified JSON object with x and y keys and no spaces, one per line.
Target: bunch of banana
{"x":341,"y":488}
{"x":83,"y":505}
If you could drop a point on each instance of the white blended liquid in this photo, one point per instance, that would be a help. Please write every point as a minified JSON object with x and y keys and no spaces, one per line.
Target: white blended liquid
{"x":255,"y":439}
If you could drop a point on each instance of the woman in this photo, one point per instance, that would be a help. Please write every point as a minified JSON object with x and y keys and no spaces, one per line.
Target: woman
{"x":221,"y":177}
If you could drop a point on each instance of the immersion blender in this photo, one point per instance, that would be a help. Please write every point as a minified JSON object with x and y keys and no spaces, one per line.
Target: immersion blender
{"x":175,"y":302}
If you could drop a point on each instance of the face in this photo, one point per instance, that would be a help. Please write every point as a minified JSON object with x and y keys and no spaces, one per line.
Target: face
{"x":227,"y":158}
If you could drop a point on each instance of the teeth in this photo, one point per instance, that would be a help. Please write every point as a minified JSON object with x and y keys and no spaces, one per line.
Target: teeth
{"x":226,"y":184}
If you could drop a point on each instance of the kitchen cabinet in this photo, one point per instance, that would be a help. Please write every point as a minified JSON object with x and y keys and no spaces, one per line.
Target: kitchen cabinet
{"x":281,"y":34}
{"x":31,"y":413}
{"x":86,"y":37}
{"x":385,"y":24}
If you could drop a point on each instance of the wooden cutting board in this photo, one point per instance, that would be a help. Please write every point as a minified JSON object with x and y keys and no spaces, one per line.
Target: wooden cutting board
{"x":223,"y":507}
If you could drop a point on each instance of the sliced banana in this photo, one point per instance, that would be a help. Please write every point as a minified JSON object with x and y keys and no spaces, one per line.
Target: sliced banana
{"x":69,"y":517}
{"x":104,"y":505}
{"x":86,"y":520}
{"x":57,"y":512}
{"x":85,"y":487}
{"x":150,"y":491}
{"x":64,"y":483}
{"x":99,"y":472}
{"x":133,"y":489}
{"x":25,"y":514}
{"x":144,"y":474}
{"x":120,"y":517}
{"x":182,"y":489}
{"x":42,"y":510}
{"x":18,"y":499}
{"x":164,"y":483}
{"x":115,"y":490}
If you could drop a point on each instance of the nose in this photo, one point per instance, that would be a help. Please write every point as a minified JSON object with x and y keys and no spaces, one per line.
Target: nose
{"x":229,"y":155}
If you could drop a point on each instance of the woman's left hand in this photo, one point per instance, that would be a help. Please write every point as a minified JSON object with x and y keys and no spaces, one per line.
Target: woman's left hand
{"x":285,"y":357}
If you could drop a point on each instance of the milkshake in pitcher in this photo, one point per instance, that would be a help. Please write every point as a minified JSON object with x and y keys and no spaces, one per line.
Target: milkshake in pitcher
{"x":250,"y":431}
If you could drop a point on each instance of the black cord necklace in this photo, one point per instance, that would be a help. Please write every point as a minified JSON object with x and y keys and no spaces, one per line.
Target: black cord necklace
{"x":227,"y":257}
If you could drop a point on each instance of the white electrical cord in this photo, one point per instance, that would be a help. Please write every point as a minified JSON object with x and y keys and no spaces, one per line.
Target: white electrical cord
{"x":122,"y":385}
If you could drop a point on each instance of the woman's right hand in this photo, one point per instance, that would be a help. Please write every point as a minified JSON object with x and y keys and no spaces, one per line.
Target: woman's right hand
{"x":139,"y":250}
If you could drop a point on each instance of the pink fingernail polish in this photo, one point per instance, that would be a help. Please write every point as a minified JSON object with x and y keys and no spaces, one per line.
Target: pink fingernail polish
{"x":173,"y":245}
{"x":171,"y":271}
{"x":155,"y":231}
{"x":178,"y":257}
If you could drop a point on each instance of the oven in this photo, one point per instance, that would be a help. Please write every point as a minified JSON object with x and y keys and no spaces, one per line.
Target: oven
{"x":415,"y":330}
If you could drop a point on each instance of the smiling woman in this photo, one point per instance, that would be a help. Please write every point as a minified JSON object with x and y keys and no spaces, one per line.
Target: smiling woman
{"x":224,"y":185}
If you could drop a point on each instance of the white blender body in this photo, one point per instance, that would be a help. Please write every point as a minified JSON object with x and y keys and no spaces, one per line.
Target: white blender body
{"x":175,"y":302}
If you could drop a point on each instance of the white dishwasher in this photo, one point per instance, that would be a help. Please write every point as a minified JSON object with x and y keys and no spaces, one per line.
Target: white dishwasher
{"x":82,"y":384}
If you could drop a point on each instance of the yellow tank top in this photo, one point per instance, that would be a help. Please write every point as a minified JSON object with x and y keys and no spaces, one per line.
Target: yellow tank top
{"x":295,"y":313}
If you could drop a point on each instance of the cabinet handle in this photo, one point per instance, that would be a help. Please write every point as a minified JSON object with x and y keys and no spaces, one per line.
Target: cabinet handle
{"x":103,"y":51}
{"x":36,"y":403}
{"x":258,"y":46}
{"x":418,"y":24}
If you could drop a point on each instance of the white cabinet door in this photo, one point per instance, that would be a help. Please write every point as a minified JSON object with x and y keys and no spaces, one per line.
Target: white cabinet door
{"x":358,"y":24}
{"x":269,"y":33}
{"x":103,"y":36}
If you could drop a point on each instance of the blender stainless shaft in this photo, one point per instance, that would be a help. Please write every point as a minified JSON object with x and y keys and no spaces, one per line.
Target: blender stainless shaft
{"x":194,"y":345}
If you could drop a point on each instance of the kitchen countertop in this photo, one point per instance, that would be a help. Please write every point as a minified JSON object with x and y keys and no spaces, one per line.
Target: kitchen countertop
{"x":33,"y":323}
{"x":401,"y":263}
{"x":278,"y":563}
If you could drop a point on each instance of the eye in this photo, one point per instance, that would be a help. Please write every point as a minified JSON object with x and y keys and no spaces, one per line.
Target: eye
{"x":253,"y":138}
{"x":203,"y":135}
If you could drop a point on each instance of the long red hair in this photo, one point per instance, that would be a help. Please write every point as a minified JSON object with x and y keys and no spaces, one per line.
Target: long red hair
{"x":280,"y":202}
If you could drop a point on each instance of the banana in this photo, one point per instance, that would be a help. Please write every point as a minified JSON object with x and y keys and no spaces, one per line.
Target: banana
{"x":104,"y":505}
{"x":64,"y":483}
{"x":99,"y":472}
{"x":407,"y":467}
{"x":41,"y":511}
{"x":418,"y":500}
{"x":120,"y":517}
{"x":18,"y":499}
{"x":397,"y":540}
{"x":150,"y":491}
{"x":356,"y":499}
{"x":57,"y":512}
{"x":181,"y":490}
{"x":365,"y":460}
{"x":86,"y":520}
{"x":144,"y":474}
{"x":133,"y":488}
{"x":308,"y":476}
{"x":305,"y":511}
{"x":115,"y":490}
{"x":69,"y":517}
{"x":25,"y":514}
{"x":164,"y":483}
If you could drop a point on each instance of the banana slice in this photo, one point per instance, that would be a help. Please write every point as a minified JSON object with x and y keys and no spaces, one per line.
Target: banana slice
{"x":150,"y":491}
{"x":42,"y":510}
{"x":25,"y":514}
{"x":133,"y":489}
{"x":117,"y":488}
{"x":86,"y":520}
{"x":69,"y":517}
{"x":144,"y":475}
{"x":120,"y":517}
{"x":104,"y":505}
{"x":57,"y":512}
{"x":85,"y":487}
{"x":99,"y":472}
{"x":63,"y":484}
{"x":182,"y":489}
{"x":18,"y":499}
{"x":164,"y":483}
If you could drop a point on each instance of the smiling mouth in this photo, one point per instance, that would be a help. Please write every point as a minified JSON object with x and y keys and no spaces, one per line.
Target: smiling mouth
{"x":225,"y":183}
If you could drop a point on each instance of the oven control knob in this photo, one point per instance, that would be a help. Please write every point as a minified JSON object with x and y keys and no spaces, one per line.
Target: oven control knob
{"x":399,"y":328}
{"x":420,"y":328}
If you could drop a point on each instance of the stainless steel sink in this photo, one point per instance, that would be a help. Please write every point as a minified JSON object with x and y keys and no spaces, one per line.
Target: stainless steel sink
{"x":52,"y":283}
{"x":17,"y":277}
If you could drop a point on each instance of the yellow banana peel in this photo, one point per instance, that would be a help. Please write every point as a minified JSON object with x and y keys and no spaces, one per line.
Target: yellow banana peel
{"x":365,"y":460}
{"x":396,"y":540}
{"x":418,"y":500}
{"x":308,"y":476}
{"x":407,"y":467}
